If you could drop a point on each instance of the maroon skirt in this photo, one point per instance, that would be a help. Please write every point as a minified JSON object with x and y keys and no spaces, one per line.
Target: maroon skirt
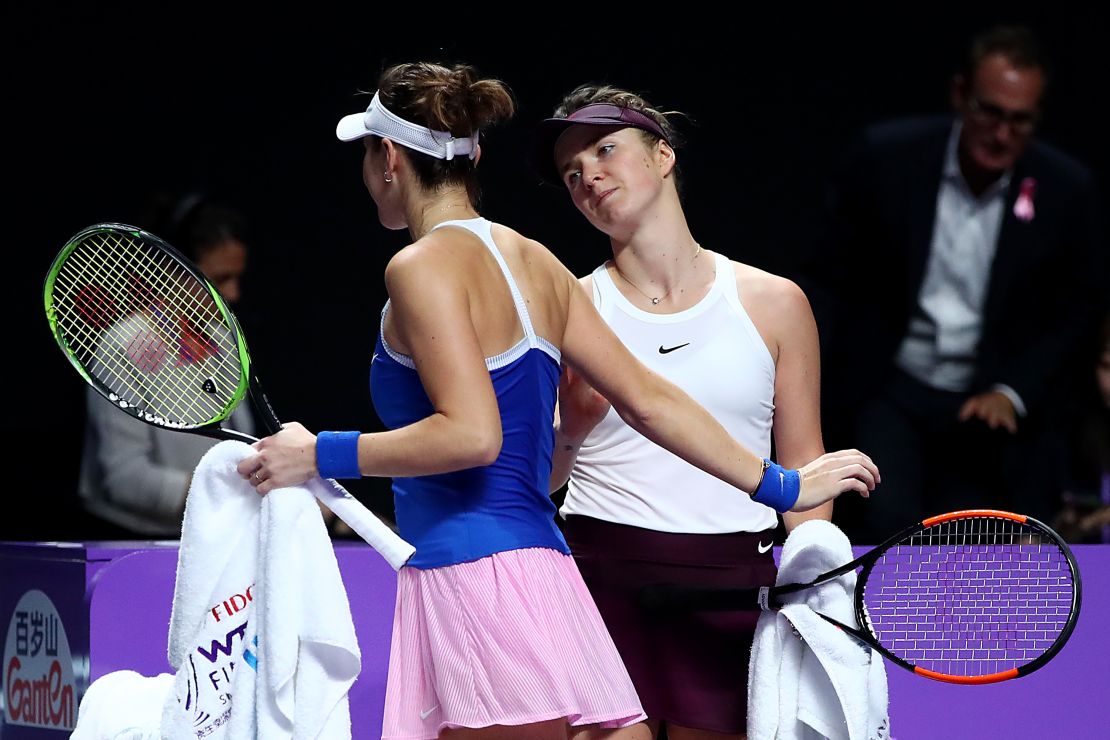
{"x":689,"y":668}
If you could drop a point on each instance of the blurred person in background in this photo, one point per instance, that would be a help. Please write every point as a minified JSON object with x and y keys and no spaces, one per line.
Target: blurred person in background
{"x":963,"y":256}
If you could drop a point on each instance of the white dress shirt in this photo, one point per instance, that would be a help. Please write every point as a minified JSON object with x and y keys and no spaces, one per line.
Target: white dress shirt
{"x":943,"y":337}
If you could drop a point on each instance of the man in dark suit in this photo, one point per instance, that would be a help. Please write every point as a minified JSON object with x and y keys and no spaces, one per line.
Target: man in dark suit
{"x":960,"y":266}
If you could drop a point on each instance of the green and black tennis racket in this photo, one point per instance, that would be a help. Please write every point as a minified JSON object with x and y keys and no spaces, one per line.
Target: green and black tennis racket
{"x":146,"y":329}
{"x":969,"y":597}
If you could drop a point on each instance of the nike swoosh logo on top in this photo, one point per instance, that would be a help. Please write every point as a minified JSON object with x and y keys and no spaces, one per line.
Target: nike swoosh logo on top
{"x":764,"y":548}
{"x":664,"y":350}
{"x":426,"y":712}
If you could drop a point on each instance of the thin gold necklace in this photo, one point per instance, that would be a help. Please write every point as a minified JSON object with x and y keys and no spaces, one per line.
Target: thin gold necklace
{"x":654,"y":300}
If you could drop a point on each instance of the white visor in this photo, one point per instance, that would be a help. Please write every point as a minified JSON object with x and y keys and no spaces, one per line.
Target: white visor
{"x":379,"y":121}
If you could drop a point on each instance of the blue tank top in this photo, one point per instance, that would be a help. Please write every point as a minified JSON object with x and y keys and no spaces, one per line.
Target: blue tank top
{"x":468,"y":514}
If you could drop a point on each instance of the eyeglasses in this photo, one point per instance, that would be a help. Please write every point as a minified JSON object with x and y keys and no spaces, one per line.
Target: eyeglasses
{"x":991,"y":115}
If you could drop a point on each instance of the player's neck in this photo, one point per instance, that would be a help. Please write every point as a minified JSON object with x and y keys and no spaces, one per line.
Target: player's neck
{"x":669,"y":278}
{"x":659,"y":249}
{"x":448,"y":205}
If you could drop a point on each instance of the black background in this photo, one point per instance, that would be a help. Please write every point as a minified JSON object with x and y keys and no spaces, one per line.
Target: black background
{"x":104,"y":105}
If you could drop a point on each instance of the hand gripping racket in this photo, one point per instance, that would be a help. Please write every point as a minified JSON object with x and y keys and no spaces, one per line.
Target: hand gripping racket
{"x":147,"y":330}
{"x":970,"y":597}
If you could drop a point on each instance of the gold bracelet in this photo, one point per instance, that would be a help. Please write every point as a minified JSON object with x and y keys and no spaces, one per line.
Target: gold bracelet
{"x":766,"y":464}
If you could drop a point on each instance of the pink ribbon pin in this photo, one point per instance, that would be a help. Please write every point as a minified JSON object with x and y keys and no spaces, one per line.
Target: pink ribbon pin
{"x":1023,"y":206}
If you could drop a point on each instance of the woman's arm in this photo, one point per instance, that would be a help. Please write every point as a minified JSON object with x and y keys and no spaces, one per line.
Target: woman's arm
{"x":784,"y":316}
{"x":665,"y":414}
{"x":134,"y":478}
{"x":430,"y":316}
{"x":579,"y":410}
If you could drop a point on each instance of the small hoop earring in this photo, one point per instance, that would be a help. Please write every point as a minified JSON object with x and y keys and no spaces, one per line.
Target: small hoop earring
{"x":387,"y":177}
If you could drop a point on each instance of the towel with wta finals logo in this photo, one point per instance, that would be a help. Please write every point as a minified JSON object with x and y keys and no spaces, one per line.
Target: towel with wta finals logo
{"x":210,"y":678}
{"x":261,"y":634}
{"x":225,"y":648}
{"x":212,"y":628}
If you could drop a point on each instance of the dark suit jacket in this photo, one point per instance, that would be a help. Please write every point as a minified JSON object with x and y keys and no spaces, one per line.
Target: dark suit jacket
{"x":1047,"y":281}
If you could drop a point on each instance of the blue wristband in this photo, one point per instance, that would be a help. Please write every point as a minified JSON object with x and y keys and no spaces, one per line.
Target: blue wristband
{"x":779,"y":487}
{"x":337,"y":454}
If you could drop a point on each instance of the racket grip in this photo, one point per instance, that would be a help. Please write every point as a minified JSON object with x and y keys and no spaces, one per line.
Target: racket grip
{"x":666,"y":597}
{"x":370,"y":528}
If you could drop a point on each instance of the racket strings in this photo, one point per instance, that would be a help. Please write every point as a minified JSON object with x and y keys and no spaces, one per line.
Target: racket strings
{"x":145,"y":347}
{"x":971,"y":597}
{"x":151,"y":338}
{"x":87,"y":265}
{"x":131,"y":319}
{"x":125,"y":360}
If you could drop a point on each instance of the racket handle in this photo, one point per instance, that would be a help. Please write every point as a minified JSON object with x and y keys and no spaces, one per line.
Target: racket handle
{"x":666,"y":597}
{"x":262,"y":405}
{"x":370,"y":528}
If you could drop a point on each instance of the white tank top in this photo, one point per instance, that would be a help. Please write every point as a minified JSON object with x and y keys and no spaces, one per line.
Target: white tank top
{"x":713,"y":351}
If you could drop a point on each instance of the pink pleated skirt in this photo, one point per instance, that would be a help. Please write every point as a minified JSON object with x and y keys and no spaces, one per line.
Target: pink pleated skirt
{"x":511,"y":639}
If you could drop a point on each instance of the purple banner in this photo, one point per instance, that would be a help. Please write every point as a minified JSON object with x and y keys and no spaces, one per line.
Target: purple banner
{"x":114,"y":606}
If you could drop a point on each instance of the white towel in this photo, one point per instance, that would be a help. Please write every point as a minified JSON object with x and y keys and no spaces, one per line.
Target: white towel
{"x":807,"y":677}
{"x":261,"y":634}
{"x":123,"y":705}
{"x":308,"y":655}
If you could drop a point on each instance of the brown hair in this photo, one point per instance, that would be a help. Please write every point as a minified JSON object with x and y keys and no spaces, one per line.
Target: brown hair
{"x":1017,"y":44}
{"x":193,"y":223}
{"x":443,"y":98}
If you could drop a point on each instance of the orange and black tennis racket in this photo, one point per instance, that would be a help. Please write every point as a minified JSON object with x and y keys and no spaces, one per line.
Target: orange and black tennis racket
{"x":969,"y":597}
